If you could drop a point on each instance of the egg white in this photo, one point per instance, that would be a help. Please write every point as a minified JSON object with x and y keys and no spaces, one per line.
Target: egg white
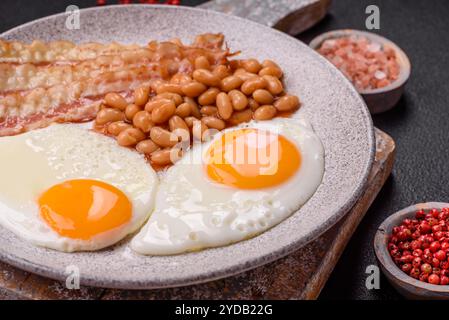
{"x":192,"y":212}
{"x":33,"y":162}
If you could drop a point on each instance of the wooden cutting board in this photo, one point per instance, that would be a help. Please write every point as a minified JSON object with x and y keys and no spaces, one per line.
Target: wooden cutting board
{"x":300,"y":275}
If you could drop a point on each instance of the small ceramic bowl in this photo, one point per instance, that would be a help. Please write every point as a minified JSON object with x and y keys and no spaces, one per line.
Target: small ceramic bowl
{"x":407,"y":286}
{"x":382,"y":99}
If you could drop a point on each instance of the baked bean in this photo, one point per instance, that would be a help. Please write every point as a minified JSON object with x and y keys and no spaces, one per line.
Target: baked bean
{"x":206,"y":77}
{"x":224,"y":105}
{"x":162,"y":137}
{"x":181,"y":79}
{"x":271,"y":71}
{"x":198,"y":130}
{"x":274,"y":85}
{"x":193,"y":89}
{"x":287,"y":103}
{"x":194,"y":109}
{"x":146,"y":147}
{"x":263,"y":96}
{"x":131,"y":111}
{"x":109,"y":115}
{"x":130,"y":137}
{"x":115,"y":128}
{"x":189,"y":121}
{"x":176,"y":41}
{"x":153,"y":104}
{"x":169,"y":88}
{"x":183,"y":110}
{"x":240,"y":117}
{"x":214,"y":123}
{"x":231,"y":83}
{"x":164,"y":112}
{"x":141,"y":95}
{"x":266,"y":112}
{"x":251,"y":85}
{"x":235,"y":64}
{"x":176,"y":122}
{"x":253,"y":104}
{"x":209,"y":97}
{"x":244,"y":75}
{"x":209,"y":111}
{"x":251,"y":65}
{"x":114,"y":100}
{"x":154,"y":84}
{"x":270,"y":63}
{"x":161,"y":157}
{"x":176,"y":98}
{"x":202,"y":63}
{"x":221,"y":71}
{"x":238,"y":99}
{"x":143,"y":121}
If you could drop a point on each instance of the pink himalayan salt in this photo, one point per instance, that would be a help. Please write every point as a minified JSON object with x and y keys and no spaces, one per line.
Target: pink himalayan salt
{"x":369,"y":65}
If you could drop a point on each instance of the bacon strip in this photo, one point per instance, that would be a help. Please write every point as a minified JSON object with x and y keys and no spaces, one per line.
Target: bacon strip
{"x":33,"y":95}
{"x":39,"y":52}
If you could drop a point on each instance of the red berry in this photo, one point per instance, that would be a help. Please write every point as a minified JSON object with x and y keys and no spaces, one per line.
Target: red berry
{"x":444,"y":280}
{"x":416,"y":234}
{"x":439,"y":235}
{"x":407,"y":222}
{"x":417,"y":253}
{"x":423,"y":277}
{"x":415,"y":244}
{"x":435,"y":246}
{"x":426,"y":268}
{"x":407,"y":268}
{"x":436,"y":271}
{"x":409,"y":259}
{"x":420,"y":214}
{"x":417,"y":262}
{"x":437,"y":228}
{"x":434,"y":279}
{"x":424,"y":227}
{"x":435,"y":262}
{"x":445,"y":246}
{"x":395,"y":253}
{"x":440,"y":255}
{"x":414,"y":273}
{"x":444,"y":265}
{"x":391,"y":246}
{"x":435,"y":213}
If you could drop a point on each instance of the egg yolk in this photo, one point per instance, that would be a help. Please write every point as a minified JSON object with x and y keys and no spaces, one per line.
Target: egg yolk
{"x":252,"y":159}
{"x":81,"y":209}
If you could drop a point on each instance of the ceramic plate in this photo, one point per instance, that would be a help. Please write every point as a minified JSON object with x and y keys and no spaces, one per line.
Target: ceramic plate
{"x":336,"y":111}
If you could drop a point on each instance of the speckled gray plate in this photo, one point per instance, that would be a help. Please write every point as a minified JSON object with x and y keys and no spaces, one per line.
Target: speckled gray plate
{"x":335,"y":109}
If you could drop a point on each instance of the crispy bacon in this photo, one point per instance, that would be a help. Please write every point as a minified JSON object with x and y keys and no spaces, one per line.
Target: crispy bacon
{"x":39,"y":52}
{"x":71,"y":84}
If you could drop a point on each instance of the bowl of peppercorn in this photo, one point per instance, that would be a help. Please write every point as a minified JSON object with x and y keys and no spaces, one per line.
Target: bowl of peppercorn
{"x":412,"y":248}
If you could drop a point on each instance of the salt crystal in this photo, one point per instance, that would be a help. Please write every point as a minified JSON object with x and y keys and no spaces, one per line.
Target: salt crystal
{"x":379,"y":75}
{"x":374,"y":47}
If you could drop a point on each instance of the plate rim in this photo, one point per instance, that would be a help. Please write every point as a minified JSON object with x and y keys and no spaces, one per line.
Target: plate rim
{"x":260,"y":260}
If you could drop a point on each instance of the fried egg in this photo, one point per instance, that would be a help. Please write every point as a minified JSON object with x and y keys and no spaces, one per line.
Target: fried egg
{"x":244,"y":181}
{"x":70,"y":189}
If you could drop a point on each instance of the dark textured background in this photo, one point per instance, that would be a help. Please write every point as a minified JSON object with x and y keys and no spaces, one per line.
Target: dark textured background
{"x":419,"y":124}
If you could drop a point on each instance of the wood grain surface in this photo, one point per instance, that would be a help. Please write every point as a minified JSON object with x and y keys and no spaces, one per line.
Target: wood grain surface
{"x":300,"y":275}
